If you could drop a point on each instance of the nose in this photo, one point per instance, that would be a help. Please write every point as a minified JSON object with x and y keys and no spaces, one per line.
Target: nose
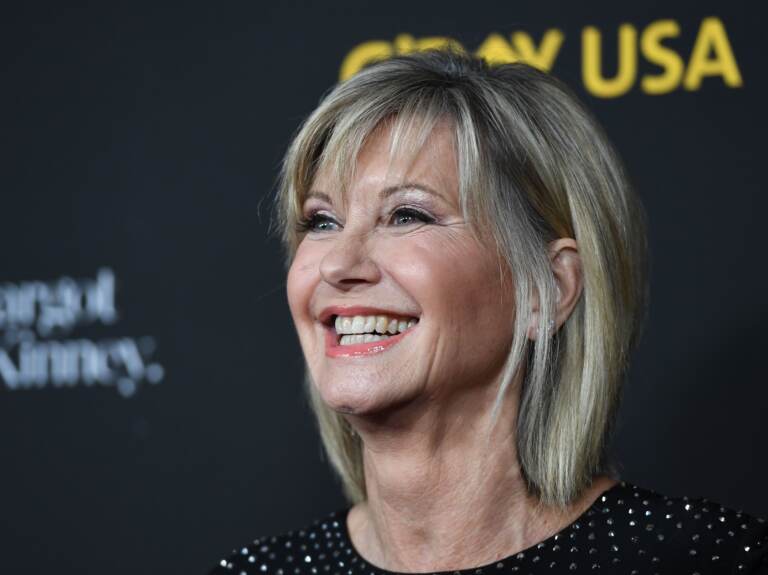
{"x":348,"y":263}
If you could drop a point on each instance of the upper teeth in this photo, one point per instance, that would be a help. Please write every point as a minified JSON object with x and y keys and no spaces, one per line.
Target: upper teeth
{"x":371,"y":324}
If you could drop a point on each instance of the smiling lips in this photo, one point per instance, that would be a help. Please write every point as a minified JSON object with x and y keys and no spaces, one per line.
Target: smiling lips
{"x":363,"y":331}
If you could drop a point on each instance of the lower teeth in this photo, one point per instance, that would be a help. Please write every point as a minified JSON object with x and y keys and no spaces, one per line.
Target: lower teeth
{"x":361,"y":338}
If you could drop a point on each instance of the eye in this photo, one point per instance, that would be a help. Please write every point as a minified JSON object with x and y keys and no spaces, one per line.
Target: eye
{"x":317,"y":222}
{"x":406,"y":216}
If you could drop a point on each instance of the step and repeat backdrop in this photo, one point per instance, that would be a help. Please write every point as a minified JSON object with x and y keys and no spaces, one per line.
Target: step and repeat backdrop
{"x":151,"y":406}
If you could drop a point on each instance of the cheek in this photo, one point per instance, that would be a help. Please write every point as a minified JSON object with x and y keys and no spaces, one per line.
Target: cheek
{"x":457,"y":282}
{"x":300,"y":283}
{"x":453,"y":273}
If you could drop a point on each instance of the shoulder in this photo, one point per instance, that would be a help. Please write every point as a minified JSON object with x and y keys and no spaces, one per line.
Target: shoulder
{"x":294,"y":552}
{"x":677,"y":534}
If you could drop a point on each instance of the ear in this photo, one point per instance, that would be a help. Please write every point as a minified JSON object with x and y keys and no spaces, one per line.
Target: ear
{"x":565,"y":262}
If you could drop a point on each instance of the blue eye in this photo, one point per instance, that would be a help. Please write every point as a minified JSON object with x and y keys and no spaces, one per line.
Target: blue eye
{"x":406,"y":216}
{"x":317,"y":223}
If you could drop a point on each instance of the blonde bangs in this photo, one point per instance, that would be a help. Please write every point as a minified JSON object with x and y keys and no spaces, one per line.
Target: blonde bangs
{"x":332,"y":138}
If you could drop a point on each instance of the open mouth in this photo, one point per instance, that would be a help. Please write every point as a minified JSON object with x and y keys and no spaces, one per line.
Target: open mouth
{"x":363,"y":334}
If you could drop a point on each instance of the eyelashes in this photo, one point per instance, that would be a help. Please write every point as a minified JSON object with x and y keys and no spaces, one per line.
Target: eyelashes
{"x":312,"y":222}
{"x":403,"y":216}
{"x":411,"y":215}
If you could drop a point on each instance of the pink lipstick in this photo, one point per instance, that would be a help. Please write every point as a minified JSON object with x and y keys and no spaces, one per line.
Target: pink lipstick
{"x":333,"y":349}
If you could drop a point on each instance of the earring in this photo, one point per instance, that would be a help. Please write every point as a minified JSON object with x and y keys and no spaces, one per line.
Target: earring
{"x":550,"y":326}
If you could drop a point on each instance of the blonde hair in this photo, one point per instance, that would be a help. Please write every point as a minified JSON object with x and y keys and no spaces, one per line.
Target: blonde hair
{"x":533,"y":166}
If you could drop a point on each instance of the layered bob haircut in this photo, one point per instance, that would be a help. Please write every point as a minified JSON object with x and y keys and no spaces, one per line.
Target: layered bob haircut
{"x":533,"y":166}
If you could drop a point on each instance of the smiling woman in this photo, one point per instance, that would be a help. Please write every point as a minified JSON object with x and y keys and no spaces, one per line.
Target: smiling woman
{"x":468,"y":280}
{"x":396,"y":252}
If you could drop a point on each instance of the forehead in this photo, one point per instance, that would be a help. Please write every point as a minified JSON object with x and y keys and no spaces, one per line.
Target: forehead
{"x":393,"y":155}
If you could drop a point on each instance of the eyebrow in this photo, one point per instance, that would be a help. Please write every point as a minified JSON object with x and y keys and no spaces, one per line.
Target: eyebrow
{"x":384,"y":193}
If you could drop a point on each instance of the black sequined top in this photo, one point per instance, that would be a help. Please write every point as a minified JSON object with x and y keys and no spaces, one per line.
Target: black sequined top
{"x":627,"y":530}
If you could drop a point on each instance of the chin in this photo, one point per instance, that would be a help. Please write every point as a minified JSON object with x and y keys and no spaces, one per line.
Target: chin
{"x":357,"y":397}
{"x":346,"y":396}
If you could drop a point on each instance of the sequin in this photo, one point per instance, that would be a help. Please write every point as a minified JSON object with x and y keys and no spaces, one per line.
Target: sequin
{"x":732,"y":542}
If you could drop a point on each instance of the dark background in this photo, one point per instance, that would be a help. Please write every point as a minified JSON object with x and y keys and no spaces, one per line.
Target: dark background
{"x":145,"y":139}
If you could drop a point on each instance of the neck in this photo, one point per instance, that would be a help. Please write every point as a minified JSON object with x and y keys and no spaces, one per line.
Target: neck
{"x":444,"y":495}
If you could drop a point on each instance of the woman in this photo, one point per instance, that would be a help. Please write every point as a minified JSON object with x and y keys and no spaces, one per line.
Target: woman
{"x":468,"y":279}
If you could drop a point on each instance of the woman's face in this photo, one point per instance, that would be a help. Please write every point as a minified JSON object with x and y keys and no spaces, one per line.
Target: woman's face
{"x":397,"y":261}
